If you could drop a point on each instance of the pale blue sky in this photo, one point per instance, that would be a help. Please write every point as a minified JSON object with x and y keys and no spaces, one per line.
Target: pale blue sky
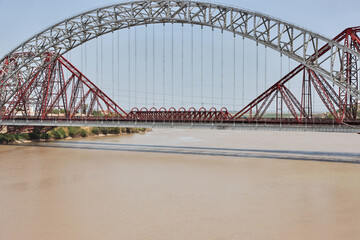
{"x":21,"y":19}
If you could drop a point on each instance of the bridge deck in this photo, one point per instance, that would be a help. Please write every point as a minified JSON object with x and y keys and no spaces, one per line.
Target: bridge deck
{"x":243,"y":125}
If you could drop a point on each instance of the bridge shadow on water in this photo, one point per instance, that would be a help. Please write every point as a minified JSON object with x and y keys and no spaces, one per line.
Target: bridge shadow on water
{"x":335,"y":157}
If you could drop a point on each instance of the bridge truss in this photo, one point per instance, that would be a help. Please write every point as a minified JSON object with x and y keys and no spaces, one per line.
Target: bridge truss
{"x":33,"y":86}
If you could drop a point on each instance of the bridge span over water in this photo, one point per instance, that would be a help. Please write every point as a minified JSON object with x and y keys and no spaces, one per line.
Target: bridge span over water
{"x":36,"y":92}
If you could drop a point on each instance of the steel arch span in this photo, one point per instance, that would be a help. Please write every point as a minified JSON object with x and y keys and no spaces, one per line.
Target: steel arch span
{"x":34,"y":70}
{"x":295,"y":42}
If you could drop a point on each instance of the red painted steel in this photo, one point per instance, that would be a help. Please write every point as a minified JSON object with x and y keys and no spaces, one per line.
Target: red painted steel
{"x":181,"y":115}
{"x":52,"y":95}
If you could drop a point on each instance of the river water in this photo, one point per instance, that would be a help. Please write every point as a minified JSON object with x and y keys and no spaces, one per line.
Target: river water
{"x":183,"y":184}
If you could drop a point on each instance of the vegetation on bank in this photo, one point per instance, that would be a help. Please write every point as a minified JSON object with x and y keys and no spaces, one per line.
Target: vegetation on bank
{"x":65,"y":132}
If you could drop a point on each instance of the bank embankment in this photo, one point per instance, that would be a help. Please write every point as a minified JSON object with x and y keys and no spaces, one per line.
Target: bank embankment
{"x":67,"y":133}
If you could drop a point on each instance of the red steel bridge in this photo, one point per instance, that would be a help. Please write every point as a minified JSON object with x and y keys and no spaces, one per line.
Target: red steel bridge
{"x":35,"y":92}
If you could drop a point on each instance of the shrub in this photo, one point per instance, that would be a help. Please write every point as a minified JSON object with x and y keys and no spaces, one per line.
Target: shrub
{"x":114,"y":130}
{"x":55,"y":134}
{"x":83,"y":133}
{"x":5,"y":138}
{"x":97,"y":113}
{"x":95,"y":130}
{"x":45,"y":136}
{"x":104,"y":130}
{"x":62,"y":132}
{"x":16,"y":136}
{"x":55,"y":111}
{"x":24,"y":136}
{"x":34,"y":136}
{"x":74,"y":131}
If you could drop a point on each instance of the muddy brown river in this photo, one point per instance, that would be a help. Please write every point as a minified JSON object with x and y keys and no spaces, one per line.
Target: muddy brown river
{"x":183,"y":184}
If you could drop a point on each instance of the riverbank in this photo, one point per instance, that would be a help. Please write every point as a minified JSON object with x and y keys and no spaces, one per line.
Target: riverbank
{"x":67,"y":133}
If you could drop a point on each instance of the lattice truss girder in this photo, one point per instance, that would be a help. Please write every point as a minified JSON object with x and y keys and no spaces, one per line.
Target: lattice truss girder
{"x":181,"y":115}
{"x":60,"y":91}
{"x":297,"y":43}
{"x":281,"y":96}
{"x":340,"y":104}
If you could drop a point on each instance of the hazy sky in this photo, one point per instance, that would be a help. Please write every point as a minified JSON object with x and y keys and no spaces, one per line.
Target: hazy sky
{"x":21,"y":19}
